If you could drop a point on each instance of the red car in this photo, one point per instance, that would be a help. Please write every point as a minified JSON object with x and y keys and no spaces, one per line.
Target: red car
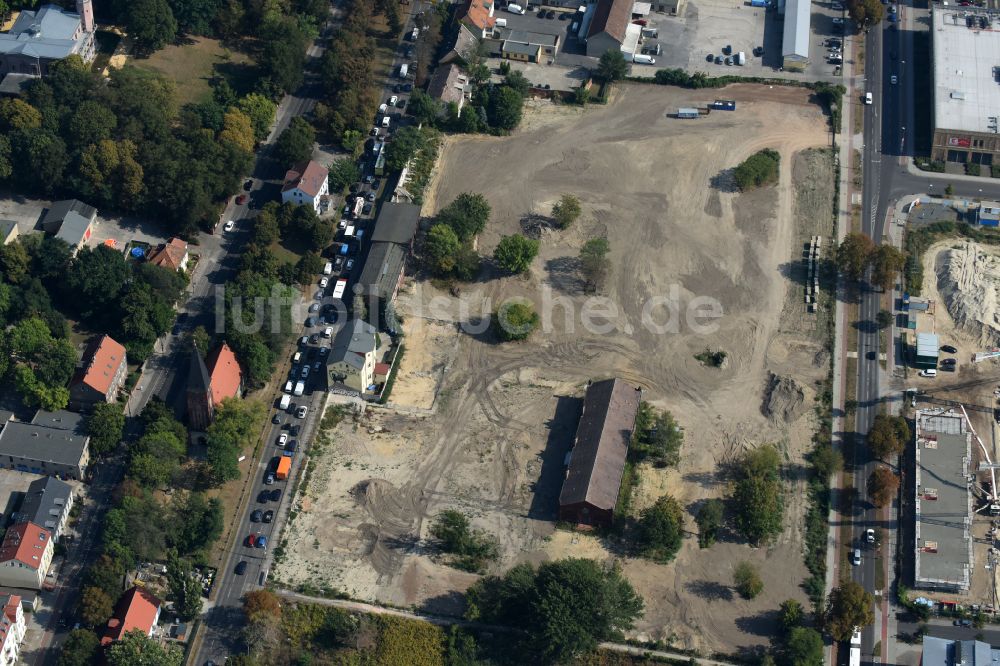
{"x":242,"y":199}
{"x":251,"y":540}
{"x":641,"y":22}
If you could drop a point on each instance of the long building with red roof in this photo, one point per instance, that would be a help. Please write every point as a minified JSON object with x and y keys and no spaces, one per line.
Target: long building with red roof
{"x":25,"y":556}
{"x":137,"y":610}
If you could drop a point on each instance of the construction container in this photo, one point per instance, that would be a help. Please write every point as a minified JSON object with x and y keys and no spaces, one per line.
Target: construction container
{"x":284,"y":467}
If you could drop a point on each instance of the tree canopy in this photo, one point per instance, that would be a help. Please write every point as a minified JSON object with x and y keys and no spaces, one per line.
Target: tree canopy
{"x":709,"y":520}
{"x":467,"y":215}
{"x":235,"y":425}
{"x":515,"y":321}
{"x":612,"y":66}
{"x":657,"y":437}
{"x":471,"y":549}
{"x":854,"y":254}
{"x":138,"y":648}
{"x":848,"y":606}
{"x":660,"y":530}
{"x":757,"y":500}
{"x":566,"y":210}
{"x":747,"y":580}
{"x":105,"y":425}
{"x":758,"y":170}
{"x":888,"y":435}
{"x":566,"y":607}
{"x":515,"y":253}
{"x":295,"y":143}
{"x":594,"y":262}
{"x":883,"y":485}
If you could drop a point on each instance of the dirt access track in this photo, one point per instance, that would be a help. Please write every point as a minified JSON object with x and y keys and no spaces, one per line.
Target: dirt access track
{"x":485,"y":427}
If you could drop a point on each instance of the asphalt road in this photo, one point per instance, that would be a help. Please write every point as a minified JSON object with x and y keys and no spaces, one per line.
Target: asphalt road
{"x":888,"y":142}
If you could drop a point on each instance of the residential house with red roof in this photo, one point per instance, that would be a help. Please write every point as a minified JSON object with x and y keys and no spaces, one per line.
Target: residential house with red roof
{"x":12,"y":628}
{"x":25,"y":556}
{"x":305,"y":184}
{"x":103,"y":372}
{"x":225,"y":376}
{"x":172,"y":255}
{"x":477,"y":16}
{"x":137,"y":609}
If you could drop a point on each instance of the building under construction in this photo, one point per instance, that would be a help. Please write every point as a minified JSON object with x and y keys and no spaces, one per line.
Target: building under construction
{"x":943,"y":503}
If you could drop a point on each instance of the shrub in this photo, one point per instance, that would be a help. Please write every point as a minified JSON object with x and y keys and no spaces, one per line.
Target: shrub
{"x":747,"y":580}
{"x":758,"y":170}
{"x":515,"y":321}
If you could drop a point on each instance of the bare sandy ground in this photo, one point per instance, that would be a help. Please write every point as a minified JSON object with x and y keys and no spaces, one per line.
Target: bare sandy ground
{"x":660,"y":190}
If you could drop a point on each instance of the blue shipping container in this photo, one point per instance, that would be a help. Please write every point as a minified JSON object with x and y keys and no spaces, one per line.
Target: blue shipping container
{"x":758,"y":3}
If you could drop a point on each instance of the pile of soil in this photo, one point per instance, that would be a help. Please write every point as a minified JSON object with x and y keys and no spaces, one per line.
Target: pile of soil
{"x":784,"y":399}
{"x":967,"y":277}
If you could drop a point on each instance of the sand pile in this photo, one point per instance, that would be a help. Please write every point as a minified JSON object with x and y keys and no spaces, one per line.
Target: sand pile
{"x":967,"y":279}
{"x":783,"y":399}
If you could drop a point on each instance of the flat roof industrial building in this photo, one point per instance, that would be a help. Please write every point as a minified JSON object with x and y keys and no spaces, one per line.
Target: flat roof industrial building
{"x":795,"y":37}
{"x":943,"y":503}
{"x":966,"y":84}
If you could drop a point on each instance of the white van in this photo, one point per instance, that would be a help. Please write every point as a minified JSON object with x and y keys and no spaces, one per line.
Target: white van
{"x":929,"y":372}
{"x":741,"y":58}
{"x":328,"y":269}
{"x":385,"y":121}
{"x":286,"y":401}
{"x":573,"y":28}
{"x":383,"y":107}
{"x":644,"y":60}
{"x":515,"y":9}
{"x":300,"y":388}
{"x":501,"y":23}
{"x":868,"y":98}
{"x":289,"y":386}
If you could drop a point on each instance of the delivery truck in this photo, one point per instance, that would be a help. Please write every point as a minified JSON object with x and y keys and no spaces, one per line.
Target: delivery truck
{"x":741,"y":58}
{"x":340,"y":288}
{"x":284,"y":467}
{"x":286,"y":400}
{"x":300,"y":388}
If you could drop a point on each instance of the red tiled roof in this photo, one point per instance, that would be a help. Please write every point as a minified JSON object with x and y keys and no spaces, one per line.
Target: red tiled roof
{"x":382,"y":368}
{"x":611,"y":16}
{"x":10,"y":607}
{"x":26,"y":544}
{"x":477,"y":12}
{"x":135,"y":610}
{"x":308,"y":177}
{"x":225,"y":373}
{"x":105,"y":358}
{"x":170,"y":255}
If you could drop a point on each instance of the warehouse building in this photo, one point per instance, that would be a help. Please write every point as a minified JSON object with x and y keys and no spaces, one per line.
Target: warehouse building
{"x":926,"y":353}
{"x":795,"y":38}
{"x":966,"y":69}
{"x":943,"y":502}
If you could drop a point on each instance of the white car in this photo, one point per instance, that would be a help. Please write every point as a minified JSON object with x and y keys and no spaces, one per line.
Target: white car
{"x":301,"y":412}
{"x":229,"y":226}
{"x":393,"y":100}
{"x":328,"y":332}
{"x":282,"y":439}
{"x":870,"y":535}
{"x":893,"y":80}
{"x":323,"y":282}
{"x":855,"y":556}
{"x":928,"y":373}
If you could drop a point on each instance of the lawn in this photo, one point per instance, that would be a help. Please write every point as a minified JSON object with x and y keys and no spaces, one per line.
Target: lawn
{"x":194,"y":64}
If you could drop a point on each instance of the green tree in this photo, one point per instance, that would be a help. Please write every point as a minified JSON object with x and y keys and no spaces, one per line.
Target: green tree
{"x":423,"y":107}
{"x":866,"y":12}
{"x":660,"y":530}
{"x":261,"y":112}
{"x":594,"y":262}
{"x":709,"y":520}
{"x":185,"y":589}
{"x":80,"y":648}
{"x":15,"y":113}
{"x":888,"y":436}
{"x":883,"y":485}
{"x":151,"y":24}
{"x":342,"y":174}
{"x":883,"y":319}
{"x":566,"y":210}
{"x":757,"y":496}
{"x":854,"y":255}
{"x":566,"y":607}
{"x":90,"y":123}
{"x":758,"y":170}
{"x":887,"y":262}
{"x":95,"y":607}
{"x":295,"y":144}
{"x":515,"y":321}
{"x":105,"y":425}
{"x":581,"y":95}
{"x":196,"y":16}
{"x":237,"y":131}
{"x":747,"y":580}
{"x":472,"y":548}
{"x":308,"y":267}
{"x":505,"y":109}
{"x":407,"y":142}
{"x":804,"y":647}
{"x":138,"y":648}
{"x":265,"y":228}
{"x":467,"y":215}
{"x":236,"y":422}
{"x":657,"y":436}
{"x":792,"y":614}
{"x":516,"y":80}
{"x":515,"y":253}
{"x":826,"y":461}
{"x":611,"y":67}
{"x":847,"y":607}
{"x":441,"y":248}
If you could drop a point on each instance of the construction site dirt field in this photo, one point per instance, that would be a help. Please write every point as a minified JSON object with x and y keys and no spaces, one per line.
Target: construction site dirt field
{"x":490,"y":439}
